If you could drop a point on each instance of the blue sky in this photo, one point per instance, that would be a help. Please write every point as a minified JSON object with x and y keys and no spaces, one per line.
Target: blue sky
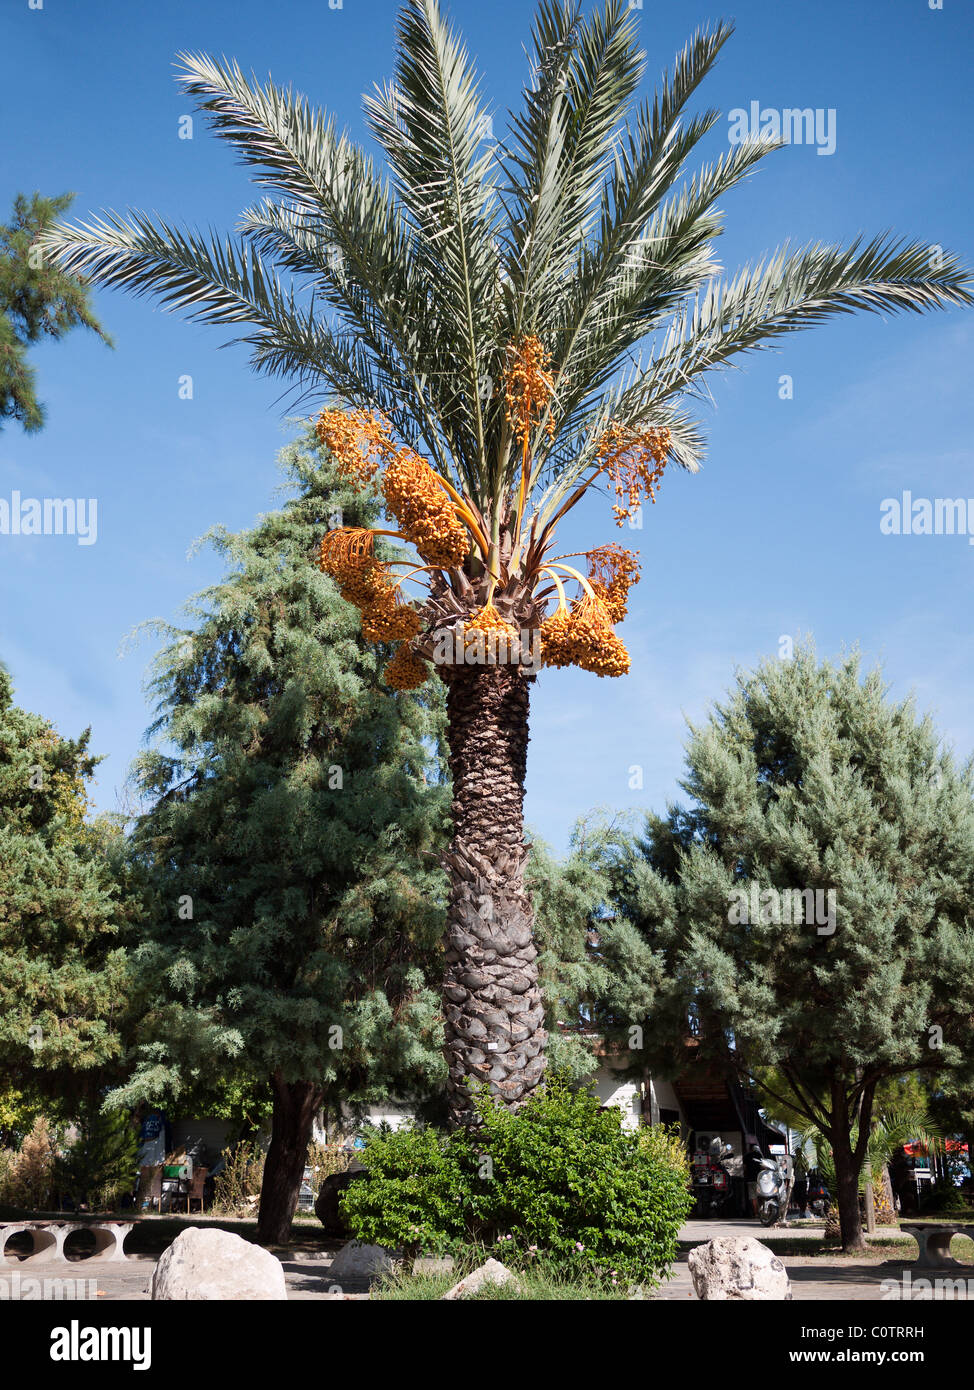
{"x":778,"y":535}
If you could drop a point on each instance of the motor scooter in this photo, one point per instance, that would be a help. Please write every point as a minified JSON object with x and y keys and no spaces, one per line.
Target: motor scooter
{"x":710,"y":1181}
{"x":772,"y":1184}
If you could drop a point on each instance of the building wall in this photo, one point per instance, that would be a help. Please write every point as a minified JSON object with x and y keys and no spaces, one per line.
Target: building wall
{"x":388,"y":1113}
{"x":213,"y":1133}
{"x":613,"y":1089}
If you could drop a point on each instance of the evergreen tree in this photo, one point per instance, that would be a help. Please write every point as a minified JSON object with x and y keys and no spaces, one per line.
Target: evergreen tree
{"x":37,"y":300}
{"x":292,"y":851}
{"x":808,"y":779}
{"x":63,"y":974}
{"x":98,"y":1166}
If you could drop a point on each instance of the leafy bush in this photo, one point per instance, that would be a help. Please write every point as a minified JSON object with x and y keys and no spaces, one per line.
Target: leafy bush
{"x":418,"y":1193}
{"x":559,"y":1180}
{"x":947,"y":1200}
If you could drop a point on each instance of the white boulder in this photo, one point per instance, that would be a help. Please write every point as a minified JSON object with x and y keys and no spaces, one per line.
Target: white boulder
{"x":493,"y":1272}
{"x":738,"y":1268}
{"x":357,"y":1261}
{"x":211,"y":1265}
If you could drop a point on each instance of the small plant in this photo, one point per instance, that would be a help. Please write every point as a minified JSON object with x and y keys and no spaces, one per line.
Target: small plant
{"x":236,"y":1188}
{"x":29,"y":1177}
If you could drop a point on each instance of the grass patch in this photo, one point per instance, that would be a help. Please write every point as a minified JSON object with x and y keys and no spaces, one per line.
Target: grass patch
{"x":892,"y":1247}
{"x":535,"y":1286}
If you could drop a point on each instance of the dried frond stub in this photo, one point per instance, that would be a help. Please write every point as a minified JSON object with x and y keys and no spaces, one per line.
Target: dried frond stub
{"x":425,"y":514}
{"x":612,"y":573}
{"x":634,"y":460}
{"x":406,"y":670}
{"x":358,"y":441}
{"x":528,"y":385}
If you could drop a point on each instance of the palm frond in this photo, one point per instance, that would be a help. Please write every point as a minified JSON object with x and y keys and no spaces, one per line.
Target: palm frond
{"x":585,"y":74}
{"x":790,"y":291}
{"x":431,"y":124}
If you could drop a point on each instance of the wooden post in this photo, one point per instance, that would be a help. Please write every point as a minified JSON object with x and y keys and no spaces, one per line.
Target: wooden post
{"x":870,"y":1208}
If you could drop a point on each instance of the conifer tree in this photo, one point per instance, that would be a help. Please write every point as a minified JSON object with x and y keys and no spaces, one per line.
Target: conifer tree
{"x":809,"y":780}
{"x":292,"y":846}
{"x":37,"y":300}
{"x":63,"y":977}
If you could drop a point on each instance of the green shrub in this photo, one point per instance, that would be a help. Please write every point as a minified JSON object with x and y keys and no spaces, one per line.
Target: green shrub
{"x":559,"y":1180}
{"x":418,"y":1194}
{"x":947,"y":1201}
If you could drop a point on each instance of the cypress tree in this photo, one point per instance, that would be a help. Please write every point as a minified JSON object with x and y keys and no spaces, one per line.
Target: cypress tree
{"x":809,"y":780}
{"x":298,"y":810}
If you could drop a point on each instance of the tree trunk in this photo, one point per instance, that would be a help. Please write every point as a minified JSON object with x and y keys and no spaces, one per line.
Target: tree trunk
{"x":295,"y":1104}
{"x":847,"y":1194}
{"x":493,"y":1007}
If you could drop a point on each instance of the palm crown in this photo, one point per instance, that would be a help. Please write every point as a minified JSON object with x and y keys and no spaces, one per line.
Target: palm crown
{"x":499,"y":325}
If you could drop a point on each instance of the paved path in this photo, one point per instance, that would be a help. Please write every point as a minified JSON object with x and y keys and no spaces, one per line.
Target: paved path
{"x":813,"y":1278}
{"x":816,"y":1278}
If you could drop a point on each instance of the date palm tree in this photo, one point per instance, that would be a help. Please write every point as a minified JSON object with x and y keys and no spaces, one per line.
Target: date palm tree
{"x":494,"y":326}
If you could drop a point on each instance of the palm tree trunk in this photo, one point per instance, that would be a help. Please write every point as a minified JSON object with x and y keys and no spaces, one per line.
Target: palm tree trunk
{"x":492,"y":1000}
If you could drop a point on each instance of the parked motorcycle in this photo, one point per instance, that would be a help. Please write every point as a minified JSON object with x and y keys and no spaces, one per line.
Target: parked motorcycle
{"x":772,"y":1185}
{"x":819,"y":1198}
{"x":710,"y":1181}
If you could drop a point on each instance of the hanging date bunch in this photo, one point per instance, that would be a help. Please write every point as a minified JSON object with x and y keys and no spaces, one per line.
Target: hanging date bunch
{"x":489,"y":590}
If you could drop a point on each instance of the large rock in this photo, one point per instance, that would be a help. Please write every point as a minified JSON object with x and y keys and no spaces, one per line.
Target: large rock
{"x":356,"y":1261}
{"x":493,"y":1272}
{"x":327,"y":1209}
{"x":212,"y":1265}
{"x":728,"y":1268}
